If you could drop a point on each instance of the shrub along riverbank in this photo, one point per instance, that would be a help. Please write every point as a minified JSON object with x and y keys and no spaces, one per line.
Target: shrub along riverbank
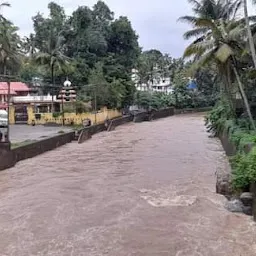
{"x":240,"y":133}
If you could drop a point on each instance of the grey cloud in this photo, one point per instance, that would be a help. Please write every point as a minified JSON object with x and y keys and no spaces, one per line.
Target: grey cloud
{"x":154,"y":21}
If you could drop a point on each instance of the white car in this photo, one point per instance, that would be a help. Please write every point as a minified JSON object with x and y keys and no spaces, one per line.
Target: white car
{"x":3,"y":118}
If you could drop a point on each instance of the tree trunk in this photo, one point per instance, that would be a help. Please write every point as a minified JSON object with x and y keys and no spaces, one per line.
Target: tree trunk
{"x":246,"y":103}
{"x":249,"y":32}
{"x":5,"y":70}
{"x":229,"y":86}
{"x":4,"y":67}
{"x":53,"y":84}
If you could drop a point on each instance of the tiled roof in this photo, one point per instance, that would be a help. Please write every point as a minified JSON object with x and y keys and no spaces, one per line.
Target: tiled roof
{"x":3,"y":105}
{"x":5,"y":92}
{"x":15,"y":86}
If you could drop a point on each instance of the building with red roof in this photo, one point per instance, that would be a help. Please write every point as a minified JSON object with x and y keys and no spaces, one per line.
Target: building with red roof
{"x":16,"y":89}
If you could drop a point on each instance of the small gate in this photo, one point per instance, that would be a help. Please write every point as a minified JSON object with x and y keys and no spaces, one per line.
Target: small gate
{"x":21,"y":115}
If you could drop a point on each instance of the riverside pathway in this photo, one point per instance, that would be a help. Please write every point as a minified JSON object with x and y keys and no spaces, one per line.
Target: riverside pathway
{"x":145,"y":189}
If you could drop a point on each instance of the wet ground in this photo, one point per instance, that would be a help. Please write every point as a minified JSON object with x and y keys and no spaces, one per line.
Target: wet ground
{"x":144,"y":189}
{"x":20,"y":133}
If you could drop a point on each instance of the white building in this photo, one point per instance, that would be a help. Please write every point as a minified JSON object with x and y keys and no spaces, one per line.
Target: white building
{"x":158,"y":84}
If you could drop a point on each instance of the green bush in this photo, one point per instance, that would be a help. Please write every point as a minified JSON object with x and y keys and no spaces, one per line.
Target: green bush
{"x":241,"y":138}
{"x":56,"y":114}
{"x":240,"y":134}
{"x":244,"y":170}
{"x":219,"y":118}
{"x":155,"y":100}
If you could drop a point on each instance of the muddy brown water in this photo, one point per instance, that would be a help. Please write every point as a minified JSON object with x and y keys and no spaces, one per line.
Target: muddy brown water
{"x":144,"y":189}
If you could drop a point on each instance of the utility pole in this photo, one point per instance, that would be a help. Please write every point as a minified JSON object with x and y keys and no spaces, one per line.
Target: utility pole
{"x":95,"y":104}
{"x":63,"y":113}
{"x":8,"y":111}
{"x":227,"y":3}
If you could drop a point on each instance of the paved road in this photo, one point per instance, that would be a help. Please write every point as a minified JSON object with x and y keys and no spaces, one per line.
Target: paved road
{"x":144,"y":189}
{"x":19,"y":133}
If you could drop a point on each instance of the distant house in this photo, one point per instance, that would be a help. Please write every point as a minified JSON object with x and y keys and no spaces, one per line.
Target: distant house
{"x":158,"y":84}
{"x":16,"y":89}
{"x":22,"y":96}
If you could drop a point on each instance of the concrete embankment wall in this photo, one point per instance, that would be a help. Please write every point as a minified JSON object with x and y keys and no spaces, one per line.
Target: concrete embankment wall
{"x":39,"y":147}
{"x":10,"y":158}
{"x":227,"y":145}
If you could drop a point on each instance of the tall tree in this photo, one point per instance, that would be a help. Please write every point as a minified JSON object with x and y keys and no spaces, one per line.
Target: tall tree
{"x":223,"y":45}
{"x":123,"y":42}
{"x":149,"y":65}
{"x":3,"y":4}
{"x":249,"y":32}
{"x":53,"y":56}
{"x":9,"y":48}
{"x":28,"y":45}
{"x":44,"y":26}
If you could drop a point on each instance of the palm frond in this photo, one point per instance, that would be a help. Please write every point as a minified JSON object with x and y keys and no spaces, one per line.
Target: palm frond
{"x":203,"y":60}
{"x":198,"y":48}
{"x":188,"y":19}
{"x":5,"y":4}
{"x":195,"y":33}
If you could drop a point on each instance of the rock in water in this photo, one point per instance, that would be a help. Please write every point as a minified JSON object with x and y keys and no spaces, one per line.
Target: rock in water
{"x":246,"y":199}
{"x":234,"y":205}
{"x":248,"y":210}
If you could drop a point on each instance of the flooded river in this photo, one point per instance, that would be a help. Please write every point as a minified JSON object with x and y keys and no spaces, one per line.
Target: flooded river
{"x":143,"y":190}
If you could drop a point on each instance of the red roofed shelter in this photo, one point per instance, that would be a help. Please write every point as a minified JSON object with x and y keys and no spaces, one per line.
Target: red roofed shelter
{"x":16,"y":89}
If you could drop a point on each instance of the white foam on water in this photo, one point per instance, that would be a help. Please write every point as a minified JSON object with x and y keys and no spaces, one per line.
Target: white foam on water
{"x":183,"y":200}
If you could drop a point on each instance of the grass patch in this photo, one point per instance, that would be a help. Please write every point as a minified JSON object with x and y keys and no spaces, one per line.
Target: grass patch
{"x":77,"y":127}
{"x":21,"y":144}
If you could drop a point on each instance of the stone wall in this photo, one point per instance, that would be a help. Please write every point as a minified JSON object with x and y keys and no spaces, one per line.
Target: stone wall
{"x":87,"y":132}
{"x":227,"y":145}
{"x":141,"y":117}
{"x":163,"y":113}
{"x":10,"y":158}
{"x":39,"y":147}
{"x":120,"y":121}
{"x":7,"y":159}
{"x":191,"y":110}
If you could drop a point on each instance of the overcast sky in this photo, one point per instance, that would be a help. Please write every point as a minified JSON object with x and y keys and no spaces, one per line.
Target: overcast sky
{"x":154,"y":21}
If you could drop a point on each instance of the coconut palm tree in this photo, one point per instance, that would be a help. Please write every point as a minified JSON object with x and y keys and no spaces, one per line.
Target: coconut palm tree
{"x":219,"y":40}
{"x":3,"y":4}
{"x":9,"y":47}
{"x":53,"y":56}
{"x":29,"y":45}
{"x":209,"y":10}
{"x":249,"y":32}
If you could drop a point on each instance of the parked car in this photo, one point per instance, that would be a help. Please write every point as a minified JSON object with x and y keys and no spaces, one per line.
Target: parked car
{"x":3,"y":118}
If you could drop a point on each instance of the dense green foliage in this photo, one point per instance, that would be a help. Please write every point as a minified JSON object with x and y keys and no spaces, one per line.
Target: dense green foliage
{"x":239,"y":131}
{"x":77,"y":47}
{"x":97,"y":52}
